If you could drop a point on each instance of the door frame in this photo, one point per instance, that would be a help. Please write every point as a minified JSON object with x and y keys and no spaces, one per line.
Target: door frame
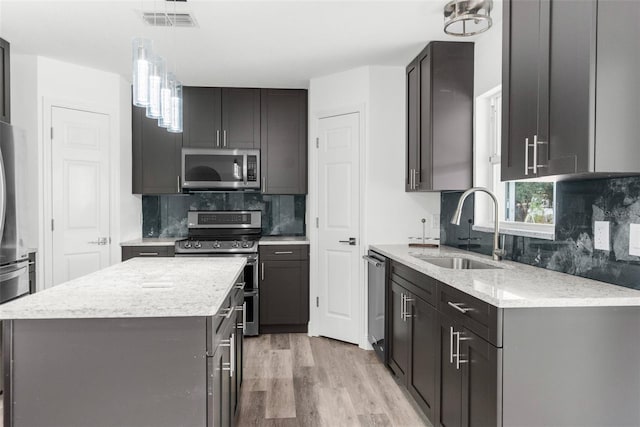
{"x":313,"y":213}
{"x":45,"y":235}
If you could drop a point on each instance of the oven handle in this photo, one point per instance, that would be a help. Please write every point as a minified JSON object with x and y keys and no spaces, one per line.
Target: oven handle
{"x":251,"y":293}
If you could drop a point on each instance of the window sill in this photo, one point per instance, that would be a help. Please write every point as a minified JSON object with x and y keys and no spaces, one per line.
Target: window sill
{"x":537,"y":231}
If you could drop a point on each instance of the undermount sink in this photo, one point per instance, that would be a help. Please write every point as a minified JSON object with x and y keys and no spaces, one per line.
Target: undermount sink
{"x":456,"y":263}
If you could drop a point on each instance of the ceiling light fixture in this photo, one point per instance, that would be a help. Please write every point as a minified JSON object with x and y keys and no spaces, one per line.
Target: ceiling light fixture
{"x":464,"y":18}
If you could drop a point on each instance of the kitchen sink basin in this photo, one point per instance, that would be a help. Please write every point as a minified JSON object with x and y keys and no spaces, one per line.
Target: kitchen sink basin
{"x":456,"y":263}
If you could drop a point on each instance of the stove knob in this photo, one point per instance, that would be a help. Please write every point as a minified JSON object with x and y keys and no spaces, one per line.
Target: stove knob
{"x":187,"y":245}
{"x":235,"y":244}
{"x":246,"y":244}
{"x":215,"y":245}
{"x":197,"y":245}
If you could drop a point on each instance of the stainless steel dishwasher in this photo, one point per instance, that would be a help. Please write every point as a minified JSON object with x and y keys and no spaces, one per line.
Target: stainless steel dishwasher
{"x":377,"y":277}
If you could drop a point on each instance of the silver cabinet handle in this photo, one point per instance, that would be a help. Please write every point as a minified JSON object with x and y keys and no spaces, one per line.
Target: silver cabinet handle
{"x":262,"y":270}
{"x":457,"y":305}
{"x":402,"y":307}
{"x":406,"y":308}
{"x":283,"y":252}
{"x":451,"y":344}
{"x":264,"y":184}
{"x":148,"y":253}
{"x":224,"y":138}
{"x":227,"y":312}
{"x":179,"y":189}
{"x":526,"y":156}
{"x":535,"y":154}
{"x":415,"y":179}
{"x":457,"y":334}
{"x":412,"y":178}
{"x":217,"y":137}
{"x":233,"y":354}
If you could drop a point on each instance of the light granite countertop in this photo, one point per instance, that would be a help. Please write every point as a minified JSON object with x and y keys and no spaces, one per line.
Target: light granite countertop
{"x":284,"y":240}
{"x":514,"y":284}
{"x":152,"y":241}
{"x":139,"y":287}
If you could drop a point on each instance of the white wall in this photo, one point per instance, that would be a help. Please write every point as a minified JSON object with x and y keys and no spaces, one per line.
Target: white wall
{"x":388,"y":214}
{"x":488,"y":60}
{"x":39,"y":82}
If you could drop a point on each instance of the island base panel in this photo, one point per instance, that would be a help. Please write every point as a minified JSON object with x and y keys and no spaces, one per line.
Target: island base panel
{"x":106,"y":372}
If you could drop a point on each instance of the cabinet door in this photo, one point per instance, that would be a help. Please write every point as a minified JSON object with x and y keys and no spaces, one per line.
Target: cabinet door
{"x":572,"y":64}
{"x":5,"y":85}
{"x":400,"y":333}
{"x":425,"y":140}
{"x":520,"y":65}
{"x":479,"y":381}
{"x":283,"y":141}
{"x":450,"y":386}
{"x":423,"y":356}
{"x":156,"y":156}
{"x":240,"y":118}
{"x":216,"y":389}
{"x":284,"y":295}
{"x":239,"y":357}
{"x":413,"y":125}
{"x":202,"y":117}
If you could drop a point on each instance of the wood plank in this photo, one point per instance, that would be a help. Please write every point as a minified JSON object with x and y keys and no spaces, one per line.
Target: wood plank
{"x":281,"y":402}
{"x":335,"y":407}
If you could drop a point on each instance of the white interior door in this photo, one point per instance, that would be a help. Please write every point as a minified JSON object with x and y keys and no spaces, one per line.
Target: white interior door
{"x":339,"y":221}
{"x":79,"y":193}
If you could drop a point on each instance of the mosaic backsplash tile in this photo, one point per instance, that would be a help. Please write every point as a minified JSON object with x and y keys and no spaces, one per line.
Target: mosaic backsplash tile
{"x":166,"y":215}
{"x":578,"y":205}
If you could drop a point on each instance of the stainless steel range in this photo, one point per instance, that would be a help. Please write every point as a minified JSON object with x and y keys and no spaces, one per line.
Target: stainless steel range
{"x":228,"y":234}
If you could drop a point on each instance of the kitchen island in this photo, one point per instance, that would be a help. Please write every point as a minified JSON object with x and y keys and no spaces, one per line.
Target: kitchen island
{"x":148,"y":342}
{"x":509,"y":344}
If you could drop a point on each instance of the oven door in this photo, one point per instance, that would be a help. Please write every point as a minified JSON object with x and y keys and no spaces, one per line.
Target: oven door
{"x":220,"y":169}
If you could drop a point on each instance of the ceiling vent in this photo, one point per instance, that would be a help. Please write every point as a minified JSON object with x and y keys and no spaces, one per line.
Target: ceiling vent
{"x":162,"y":19}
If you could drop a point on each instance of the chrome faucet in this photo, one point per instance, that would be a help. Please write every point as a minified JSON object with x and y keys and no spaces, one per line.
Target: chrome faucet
{"x":498,"y":253}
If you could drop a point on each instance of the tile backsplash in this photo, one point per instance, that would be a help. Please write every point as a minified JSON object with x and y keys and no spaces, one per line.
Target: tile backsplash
{"x":578,"y":205}
{"x":166,"y":215}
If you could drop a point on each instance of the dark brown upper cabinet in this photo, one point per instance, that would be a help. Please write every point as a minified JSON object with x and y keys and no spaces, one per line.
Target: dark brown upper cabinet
{"x":221,"y":117}
{"x":156,"y":156}
{"x":440,"y":118}
{"x":5,"y":84}
{"x":570,"y":93}
{"x":284,"y":141}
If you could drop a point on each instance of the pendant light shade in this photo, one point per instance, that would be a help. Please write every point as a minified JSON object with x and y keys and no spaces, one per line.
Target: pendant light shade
{"x":467,"y":17}
{"x":166,"y":90}
{"x":176,"y":108}
{"x":141,"y":66}
{"x":157,"y":71}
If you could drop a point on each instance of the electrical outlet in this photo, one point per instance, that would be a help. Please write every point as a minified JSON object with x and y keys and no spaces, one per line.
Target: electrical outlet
{"x":601,"y":235}
{"x":634,"y":239}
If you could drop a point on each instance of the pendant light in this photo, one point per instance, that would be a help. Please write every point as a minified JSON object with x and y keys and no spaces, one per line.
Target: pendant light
{"x":467,"y":17}
{"x":141,"y":66}
{"x":176,"y":108}
{"x":156,"y":73}
{"x":166,"y":91}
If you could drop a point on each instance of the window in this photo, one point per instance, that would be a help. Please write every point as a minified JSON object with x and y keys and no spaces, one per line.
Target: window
{"x":525,"y":208}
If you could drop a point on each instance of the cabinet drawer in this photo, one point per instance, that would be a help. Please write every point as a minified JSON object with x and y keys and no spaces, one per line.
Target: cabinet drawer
{"x":419,"y":284}
{"x":284,"y":252}
{"x":478,"y":316}
{"x":146,"y":251}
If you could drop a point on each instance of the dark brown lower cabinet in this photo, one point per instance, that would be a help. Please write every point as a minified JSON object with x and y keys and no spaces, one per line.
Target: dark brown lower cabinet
{"x":413,"y":349}
{"x":468,"y":377}
{"x":284,"y":288}
{"x":147,"y":251}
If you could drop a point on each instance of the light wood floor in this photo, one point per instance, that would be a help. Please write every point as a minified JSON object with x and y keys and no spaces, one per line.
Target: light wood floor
{"x":294,"y":380}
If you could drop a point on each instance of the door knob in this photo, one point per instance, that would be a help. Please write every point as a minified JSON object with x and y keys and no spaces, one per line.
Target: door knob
{"x":351,"y":241}
{"x":100,"y":241}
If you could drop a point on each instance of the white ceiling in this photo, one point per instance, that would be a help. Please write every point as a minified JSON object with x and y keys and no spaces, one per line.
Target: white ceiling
{"x":237,"y":43}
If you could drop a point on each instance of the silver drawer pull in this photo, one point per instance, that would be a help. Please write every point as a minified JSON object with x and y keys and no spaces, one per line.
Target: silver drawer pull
{"x":283,"y":252}
{"x":148,"y":254}
{"x":227,"y":312}
{"x":457,"y":305}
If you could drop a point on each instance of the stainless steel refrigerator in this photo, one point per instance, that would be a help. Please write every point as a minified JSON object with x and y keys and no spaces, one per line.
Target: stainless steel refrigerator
{"x":14,"y":263}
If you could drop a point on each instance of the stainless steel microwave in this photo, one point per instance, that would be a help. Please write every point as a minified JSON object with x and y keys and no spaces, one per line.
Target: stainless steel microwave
{"x":220,"y":169}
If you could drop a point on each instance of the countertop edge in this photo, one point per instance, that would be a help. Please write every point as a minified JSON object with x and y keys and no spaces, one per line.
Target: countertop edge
{"x":544,"y":302}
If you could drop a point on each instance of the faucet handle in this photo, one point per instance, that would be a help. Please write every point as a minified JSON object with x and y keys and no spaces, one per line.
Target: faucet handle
{"x":499,"y":252}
